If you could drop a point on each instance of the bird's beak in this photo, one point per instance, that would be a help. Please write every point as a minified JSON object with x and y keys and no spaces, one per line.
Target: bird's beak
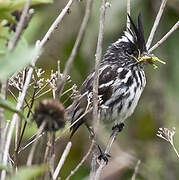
{"x":151,"y":59}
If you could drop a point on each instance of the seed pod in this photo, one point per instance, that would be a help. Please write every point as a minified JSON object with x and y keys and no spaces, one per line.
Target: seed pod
{"x":52,"y":112}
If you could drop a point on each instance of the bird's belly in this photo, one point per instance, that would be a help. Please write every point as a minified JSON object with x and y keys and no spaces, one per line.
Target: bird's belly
{"x":122,"y":109}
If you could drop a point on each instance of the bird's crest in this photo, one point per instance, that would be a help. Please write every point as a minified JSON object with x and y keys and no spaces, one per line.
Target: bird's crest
{"x":135,"y":35}
{"x":138,"y":33}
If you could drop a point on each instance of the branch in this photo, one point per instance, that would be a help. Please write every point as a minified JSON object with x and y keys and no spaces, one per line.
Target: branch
{"x":128,"y":12}
{"x":2,"y":121}
{"x":75,"y":48}
{"x":108,"y":148}
{"x":32,"y":151}
{"x":20,"y":26}
{"x":96,"y":116}
{"x":82,"y":161}
{"x":26,"y":84}
{"x":156,"y":23}
{"x":62,"y":160}
{"x":164,"y":37}
{"x":136,"y":170}
{"x":96,"y":113}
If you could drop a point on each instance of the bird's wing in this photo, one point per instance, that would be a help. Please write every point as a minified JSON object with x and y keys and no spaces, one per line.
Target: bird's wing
{"x":107,"y":75}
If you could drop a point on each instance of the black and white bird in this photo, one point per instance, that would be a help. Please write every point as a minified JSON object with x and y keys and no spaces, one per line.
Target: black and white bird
{"x":121,"y":80}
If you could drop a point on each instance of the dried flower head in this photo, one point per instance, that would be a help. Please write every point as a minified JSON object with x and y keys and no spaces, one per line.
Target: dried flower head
{"x":52,"y":112}
{"x":166,"y":134}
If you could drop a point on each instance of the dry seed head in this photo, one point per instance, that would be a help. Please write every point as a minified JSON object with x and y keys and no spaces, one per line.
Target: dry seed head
{"x":52,"y":112}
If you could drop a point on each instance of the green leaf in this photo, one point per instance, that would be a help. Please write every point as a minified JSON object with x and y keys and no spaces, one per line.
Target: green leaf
{"x":19,"y":4}
{"x":2,"y":167}
{"x":9,"y":6}
{"x":28,"y":173}
{"x":14,"y":61}
{"x":11,"y":107}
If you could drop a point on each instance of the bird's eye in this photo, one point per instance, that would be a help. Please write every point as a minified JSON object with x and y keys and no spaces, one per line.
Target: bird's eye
{"x":129,"y":51}
{"x":135,"y":53}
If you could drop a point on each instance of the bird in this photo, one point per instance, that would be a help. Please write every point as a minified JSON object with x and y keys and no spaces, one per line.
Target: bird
{"x":121,"y":80}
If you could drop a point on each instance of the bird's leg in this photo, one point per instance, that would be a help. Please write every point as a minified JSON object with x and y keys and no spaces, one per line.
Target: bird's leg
{"x":117,"y":128}
{"x":102,"y":155}
{"x":91,"y":131}
{"x":105,"y":154}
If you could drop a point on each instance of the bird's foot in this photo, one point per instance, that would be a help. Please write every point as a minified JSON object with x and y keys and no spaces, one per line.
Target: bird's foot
{"x":103,"y":156}
{"x":118,"y":127}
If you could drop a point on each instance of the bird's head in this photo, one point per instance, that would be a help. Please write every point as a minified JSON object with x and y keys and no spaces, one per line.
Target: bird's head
{"x":131,"y":49}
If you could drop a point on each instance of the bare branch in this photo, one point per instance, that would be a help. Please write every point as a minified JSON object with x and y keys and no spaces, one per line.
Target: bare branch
{"x":75,"y":47}
{"x":62,"y":160}
{"x":164,"y":37}
{"x":56,"y":23}
{"x":128,"y":12}
{"x":82,"y":161}
{"x":156,"y":23}
{"x":108,"y":148}
{"x":31,"y":154}
{"x":2,"y":121}
{"x":96,"y":115}
{"x":136,"y":170}
{"x":20,"y":26}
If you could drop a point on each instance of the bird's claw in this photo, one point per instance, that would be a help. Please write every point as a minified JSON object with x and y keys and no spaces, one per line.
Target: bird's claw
{"x":119,"y":127}
{"x":103,"y":156}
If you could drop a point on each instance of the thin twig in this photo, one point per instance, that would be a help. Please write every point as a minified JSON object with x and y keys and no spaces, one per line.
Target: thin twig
{"x":81,"y":162}
{"x":93,"y":163}
{"x":70,"y":60}
{"x":108,"y":148}
{"x":56,"y":23}
{"x":2,"y":122}
{"x":164,"y":37}
{"x":136,"y":170}
{"x":27,"y":82}
{"x":20,"y":26}
{"x":156,"y":23}
{"x":25,"y":124}
{"x":30,"y":141}
{"x":84,"y":114}
{"x":62,"y":160}
{"x":32,"y":151}
{"x":128,"y":12}
{"x":49,"y":155}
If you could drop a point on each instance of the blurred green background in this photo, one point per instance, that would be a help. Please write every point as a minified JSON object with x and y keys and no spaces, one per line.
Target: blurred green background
{"x":158,"y":106}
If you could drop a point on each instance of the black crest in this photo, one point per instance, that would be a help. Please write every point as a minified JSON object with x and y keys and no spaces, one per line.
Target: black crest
{"x":139,"y":33}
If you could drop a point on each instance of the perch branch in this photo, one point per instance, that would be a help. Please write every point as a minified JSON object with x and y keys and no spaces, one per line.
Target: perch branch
{"x":82,"y":161}
{"x":136,"y":170}
{"x":62,"y":160}
{"x":96,"y":113}
{"x":108,"y":148}
{"x":156,"y":23}
{"x":164,"y":37}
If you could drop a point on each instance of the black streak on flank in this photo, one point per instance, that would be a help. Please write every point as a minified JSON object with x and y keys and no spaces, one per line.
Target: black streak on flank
{"x":140,"y":76}
{"x":136,"y":78}
{"x":123,"y":73}
{"x":129,"y":105}
{"x":119,"y":108}
{"x":129,"y":81}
